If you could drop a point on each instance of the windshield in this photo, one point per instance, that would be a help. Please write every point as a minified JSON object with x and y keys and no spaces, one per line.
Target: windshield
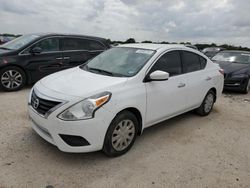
{"x":19,"y":42}
{"x":210,"y":54}
{"x":238,"y":57}
{"x":119,"y":61}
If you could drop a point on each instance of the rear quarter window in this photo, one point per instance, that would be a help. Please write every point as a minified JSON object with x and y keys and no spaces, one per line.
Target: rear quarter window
{"x":203,"y":62}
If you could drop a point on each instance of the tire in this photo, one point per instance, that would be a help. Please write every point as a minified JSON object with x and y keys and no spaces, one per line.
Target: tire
{"x":12,"y":78}
{"x":207,"y":104}
{"x":123,"y":127}
{"x":247,"y":87}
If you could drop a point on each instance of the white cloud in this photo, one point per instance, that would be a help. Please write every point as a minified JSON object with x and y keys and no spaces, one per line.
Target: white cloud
{"x":224,"y":21}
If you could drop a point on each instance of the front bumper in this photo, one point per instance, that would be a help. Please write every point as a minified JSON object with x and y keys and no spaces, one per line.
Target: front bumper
{"x":92,"y":130}
{"x":236,"y":84}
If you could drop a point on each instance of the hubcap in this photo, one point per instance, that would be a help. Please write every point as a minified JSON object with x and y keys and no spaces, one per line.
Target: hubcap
{"x":11,"y":79}
{"x":123,"y":135}
{"x":209,"y":103}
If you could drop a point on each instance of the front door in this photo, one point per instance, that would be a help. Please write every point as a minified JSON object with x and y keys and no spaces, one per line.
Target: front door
{"x":166,"y":98}
{"x":48,"y":61}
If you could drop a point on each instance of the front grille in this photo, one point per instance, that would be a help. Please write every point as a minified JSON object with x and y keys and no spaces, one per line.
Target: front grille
{"x":225,"y":75}
{"x":42,"y":106}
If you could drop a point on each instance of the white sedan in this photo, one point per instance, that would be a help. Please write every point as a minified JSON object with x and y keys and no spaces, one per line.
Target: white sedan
{"x":106,"y":103}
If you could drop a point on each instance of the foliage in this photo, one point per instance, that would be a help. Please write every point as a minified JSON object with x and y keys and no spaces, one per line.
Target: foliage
{"x":132,"y":40}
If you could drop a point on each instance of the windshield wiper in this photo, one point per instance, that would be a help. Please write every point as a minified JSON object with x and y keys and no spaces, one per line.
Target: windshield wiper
{"x":4,"y":48}
{"x":87,"y":68}
{"x":101,"y":71}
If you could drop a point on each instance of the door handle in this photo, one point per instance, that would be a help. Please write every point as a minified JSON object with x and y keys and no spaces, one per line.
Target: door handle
{"x":181,"y":85}
{"x":208,"y":78}
{"x":59,"y":58}
{"x":66,"y":58}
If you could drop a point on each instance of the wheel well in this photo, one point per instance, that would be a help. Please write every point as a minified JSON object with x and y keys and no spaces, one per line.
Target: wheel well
{"x":26,"y":74}
{"x":214,"y":90}
{"x":137,"y":113}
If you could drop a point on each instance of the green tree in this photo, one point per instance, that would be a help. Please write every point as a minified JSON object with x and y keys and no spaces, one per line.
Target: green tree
{"x":130,"y":40}
{"x":146,"y":41}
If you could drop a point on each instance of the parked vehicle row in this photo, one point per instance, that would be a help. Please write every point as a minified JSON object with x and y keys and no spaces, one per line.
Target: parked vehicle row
{"x":106,"y":103}
{"x":29,"y":58}
{"x":107,"y":97}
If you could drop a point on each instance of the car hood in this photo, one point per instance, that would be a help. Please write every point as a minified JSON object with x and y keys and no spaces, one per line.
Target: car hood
{"x":80,"y":83}
{"x":230,"y":67}
{"x":4,"y":52}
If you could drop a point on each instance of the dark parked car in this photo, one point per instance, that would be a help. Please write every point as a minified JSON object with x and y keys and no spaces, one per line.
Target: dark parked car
{"x":4,"y":39}
{"x":236,"y":65}
{"x":28,"y":58}
{"x":212,"y":51}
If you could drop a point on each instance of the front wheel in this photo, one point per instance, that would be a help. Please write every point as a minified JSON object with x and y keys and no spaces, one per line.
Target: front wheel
{"x":247,"y":87}
{"x":207,"y":104}
{"x":121,"y":134}
{"x":12,"y":79}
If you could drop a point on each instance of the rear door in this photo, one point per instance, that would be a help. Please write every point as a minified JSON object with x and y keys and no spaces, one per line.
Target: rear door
{"x":77,"y":51}
{"x":169,"y":97}
{"x":46,"y":62}
{"x":198,"y":77}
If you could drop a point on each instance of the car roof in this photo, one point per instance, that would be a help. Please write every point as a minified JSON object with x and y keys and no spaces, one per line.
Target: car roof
{"x":69,"y":35}
{"x":151,"y":46}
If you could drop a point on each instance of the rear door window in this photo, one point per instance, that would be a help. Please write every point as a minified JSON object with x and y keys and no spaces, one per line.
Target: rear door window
{"x":72,"y":44}
{"x":192,"y":62}
{"x":81,"y":44}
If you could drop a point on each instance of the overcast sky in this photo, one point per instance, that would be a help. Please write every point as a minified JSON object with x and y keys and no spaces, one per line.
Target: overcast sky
{"x":219,"y":21}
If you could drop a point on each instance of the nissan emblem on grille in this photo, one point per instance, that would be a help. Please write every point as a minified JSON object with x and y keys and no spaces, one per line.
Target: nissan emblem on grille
{"x":36,"y":103}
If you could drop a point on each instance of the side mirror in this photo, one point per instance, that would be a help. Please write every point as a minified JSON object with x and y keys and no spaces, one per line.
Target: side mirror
{"x":158,"y":76}
{"x":36,"y":50}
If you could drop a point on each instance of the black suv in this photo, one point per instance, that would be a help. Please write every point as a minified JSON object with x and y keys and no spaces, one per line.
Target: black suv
{"x":28,"y":58}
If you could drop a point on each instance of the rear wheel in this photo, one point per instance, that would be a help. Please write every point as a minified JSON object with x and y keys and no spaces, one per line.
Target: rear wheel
{"x":12,"y":79}
{"x":121,"y":134}
{"x":207,"y":104}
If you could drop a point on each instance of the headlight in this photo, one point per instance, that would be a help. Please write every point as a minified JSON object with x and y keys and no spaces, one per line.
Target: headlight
{"x":85,"y":109}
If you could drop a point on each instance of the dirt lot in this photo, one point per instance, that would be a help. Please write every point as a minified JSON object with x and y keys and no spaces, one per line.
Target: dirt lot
{"x":187,"y":151}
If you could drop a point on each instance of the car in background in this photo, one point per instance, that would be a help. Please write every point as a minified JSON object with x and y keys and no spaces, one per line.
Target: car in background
{"x":29,"y":58}
{"x":4,"y":39}
{"x":106,"y":103}
{"x":212,"y":51}
{"x":236,"y":65}
{"x":191,"y":46}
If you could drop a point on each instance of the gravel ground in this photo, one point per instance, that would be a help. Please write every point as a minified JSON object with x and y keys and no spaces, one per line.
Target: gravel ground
{"x":186,"y":151}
